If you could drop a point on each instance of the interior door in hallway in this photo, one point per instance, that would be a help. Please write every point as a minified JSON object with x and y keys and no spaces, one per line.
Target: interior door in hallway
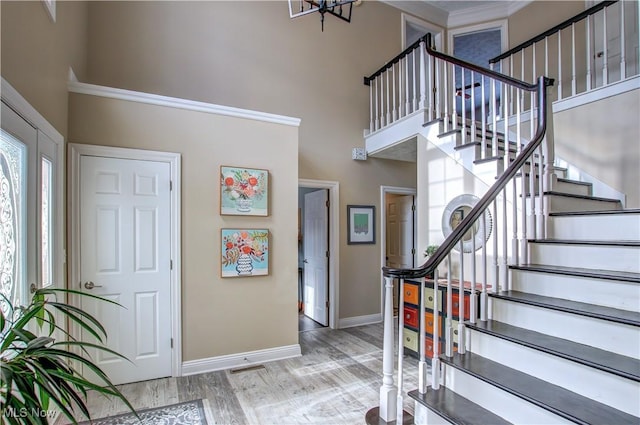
{"x":125,"y":257}
{"x":400,"y":231}
{"x":316,"y":256}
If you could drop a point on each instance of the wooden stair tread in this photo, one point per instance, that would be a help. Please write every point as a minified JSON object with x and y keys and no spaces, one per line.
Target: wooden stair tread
{"x":632,"y":243}
{"x":582,"y":272}
{"x":626,"y":367}
{"x":560,"y":401}
{"x":455,"y":408}
{"x":571,"y":195}
{"x":596,"y":311}
{"x":603,"y":212}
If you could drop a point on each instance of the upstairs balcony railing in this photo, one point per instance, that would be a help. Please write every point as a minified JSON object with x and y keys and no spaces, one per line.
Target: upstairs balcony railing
{"x":593,"y":49}
{"x":462,"y":97}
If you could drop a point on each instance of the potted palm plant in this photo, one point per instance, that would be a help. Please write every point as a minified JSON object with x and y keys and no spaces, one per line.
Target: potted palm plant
{"x":39,"y":373}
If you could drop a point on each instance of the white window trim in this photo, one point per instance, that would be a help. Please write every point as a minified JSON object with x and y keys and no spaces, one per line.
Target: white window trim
{"x":436,"y":30}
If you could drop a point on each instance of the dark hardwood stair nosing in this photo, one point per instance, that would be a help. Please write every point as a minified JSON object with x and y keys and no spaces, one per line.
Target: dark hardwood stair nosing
{"x":603,"y":212}
{"x":551,"y":397}
{"x":455,"y":408}
{"x":550,"y":241}
{"x":610,"y":314}
{"x":580,"y":272}
{"x":617,"y":364}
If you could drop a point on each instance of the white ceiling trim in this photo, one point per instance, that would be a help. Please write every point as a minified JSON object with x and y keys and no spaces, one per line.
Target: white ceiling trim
{"x":468,"y":16}
{"x":473,"y":15}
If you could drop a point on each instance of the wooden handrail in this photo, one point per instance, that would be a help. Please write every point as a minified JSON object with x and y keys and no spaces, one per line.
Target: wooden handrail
{"x":456,"y":236}
{"x":395,"y":60}
{"x":551,"y":31}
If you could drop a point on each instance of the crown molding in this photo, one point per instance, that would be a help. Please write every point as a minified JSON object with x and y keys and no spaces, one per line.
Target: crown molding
{"x":174,"y":102}
{"x":473,"y":15}
{"x":478,"y":14}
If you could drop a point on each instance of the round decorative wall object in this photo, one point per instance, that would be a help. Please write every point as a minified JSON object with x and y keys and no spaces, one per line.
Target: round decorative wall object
{"x":455,"y":211}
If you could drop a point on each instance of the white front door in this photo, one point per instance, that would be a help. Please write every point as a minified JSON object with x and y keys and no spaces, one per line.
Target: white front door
{"x":400,"y":228}
{"x":125,"y":257}
{"x":316,"y":261}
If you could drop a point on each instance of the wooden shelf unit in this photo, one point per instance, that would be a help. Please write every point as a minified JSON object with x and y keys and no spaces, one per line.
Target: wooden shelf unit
{"x":412,"y":307}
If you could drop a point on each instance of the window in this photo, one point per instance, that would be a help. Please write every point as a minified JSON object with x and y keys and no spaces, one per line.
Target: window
{"x":29,"y":217}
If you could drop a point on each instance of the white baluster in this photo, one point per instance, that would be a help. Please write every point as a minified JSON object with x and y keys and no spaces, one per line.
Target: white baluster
{"x":435,"y":361}
{"x":400,"y":403}
{"x":549,"y":158}
{"x":371,"y":122}
{"x":430,"y":88}
{"x":573,"y":59}
{"x":388,"y":391}
{"x":523,"y":181}
{"x":445,"y":84}
{"x":505,"y":243}
{"x":454,"y":106}
{"x":423,"y":78}
{"x":540,"y":223}
{"x":422,"y":364}
{"x":436,"y":92}
{"x":473,"y":112}
{"x":623,"y":60}
{"x":415,"y":77}
{"x":532,"y":122}
{"x":496,"y":232}
{"x":494,"y":124}
{"x":394,"y":114}
{"x":375,"y":82}
{"x":605,"y":50}
{"x":559,"y":65}
{"x":483,"y":111}
{"x":407,"y":105}
{"x":463,"y":106}
{"x":388,"y":99}
{"x":588,"y":52}
{"x":448,"y":331}
{"x":461,"y":293}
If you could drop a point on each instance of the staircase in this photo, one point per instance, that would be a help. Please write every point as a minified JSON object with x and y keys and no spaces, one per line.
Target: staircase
{"x":556,"y":338}
{"x":563,"y":344}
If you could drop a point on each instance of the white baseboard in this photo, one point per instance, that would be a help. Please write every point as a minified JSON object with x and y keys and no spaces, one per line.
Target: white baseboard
{"x":246,"y":359}
{"x":349,"y":322}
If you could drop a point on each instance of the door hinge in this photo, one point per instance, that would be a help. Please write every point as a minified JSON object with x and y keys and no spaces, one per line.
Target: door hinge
{"x":170,"y":264}
{"x":171,"y":342}
{"x":413,"y":251}
{"x":170,"y":185}
{"x":327,"y":254}
{"x":413,"y":207}
{"x":327,"y":304}
{"x":327,"y":204}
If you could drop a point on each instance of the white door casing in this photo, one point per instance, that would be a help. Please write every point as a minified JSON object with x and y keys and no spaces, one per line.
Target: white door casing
{"x":125,"y":232}
{"x":316,"y":263}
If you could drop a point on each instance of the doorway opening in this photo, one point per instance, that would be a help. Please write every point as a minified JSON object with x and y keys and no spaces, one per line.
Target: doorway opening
{"x":317,"y":254}
{"x":398,"y":221}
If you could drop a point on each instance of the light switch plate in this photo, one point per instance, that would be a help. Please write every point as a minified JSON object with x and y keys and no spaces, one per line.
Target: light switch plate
{"x":359,"y":154}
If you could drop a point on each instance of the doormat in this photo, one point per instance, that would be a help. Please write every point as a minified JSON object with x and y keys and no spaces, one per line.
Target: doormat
{"x":187,"y":413}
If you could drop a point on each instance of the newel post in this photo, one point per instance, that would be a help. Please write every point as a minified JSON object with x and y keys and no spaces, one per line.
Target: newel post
{"x":548,"y":150}
{"x":423,"y":77}
{"x":388,"y":391}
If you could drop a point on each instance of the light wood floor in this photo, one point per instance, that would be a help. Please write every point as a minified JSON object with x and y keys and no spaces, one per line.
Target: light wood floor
{"x":335,"y":381}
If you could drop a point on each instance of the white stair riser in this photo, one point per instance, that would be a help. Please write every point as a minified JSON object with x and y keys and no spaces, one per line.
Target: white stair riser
{"x":609,"y":293}
{"x":506,"y":405}
{"x":425,"y":416}
{"x":595,"y":227}
{"x":615,"y":337}
{"x":570,"y":204}
{"x":621,"y":258}
{"x":613,"y":390}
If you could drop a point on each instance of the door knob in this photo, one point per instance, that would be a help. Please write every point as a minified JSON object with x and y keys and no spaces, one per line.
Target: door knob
{"x":91,"y":285}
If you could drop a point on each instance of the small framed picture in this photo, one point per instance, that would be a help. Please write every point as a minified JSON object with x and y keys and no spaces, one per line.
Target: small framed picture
{"x":244,"y":191}
{"x":361,"y":224}
{"x":245,"y":252}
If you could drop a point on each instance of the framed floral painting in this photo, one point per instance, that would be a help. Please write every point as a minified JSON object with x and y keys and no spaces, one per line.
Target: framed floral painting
{"x":244,"y":191}
{"x":245,"y":252}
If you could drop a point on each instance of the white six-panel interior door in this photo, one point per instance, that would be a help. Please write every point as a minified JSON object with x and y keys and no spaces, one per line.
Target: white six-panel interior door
{"x":316,"y":262}
{"x":125,"y":256}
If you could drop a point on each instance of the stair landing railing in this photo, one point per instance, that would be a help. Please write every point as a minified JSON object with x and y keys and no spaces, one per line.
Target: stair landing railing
{"x":593,"y":49}
{"x":445,"y":90}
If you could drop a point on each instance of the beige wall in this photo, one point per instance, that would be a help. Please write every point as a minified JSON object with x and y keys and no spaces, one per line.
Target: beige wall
{"x":251,"y":55}
{"x":540,"y":16}
{"x":601,"y":138}
{"x":37,"y":53}
{"x":219,"y":316}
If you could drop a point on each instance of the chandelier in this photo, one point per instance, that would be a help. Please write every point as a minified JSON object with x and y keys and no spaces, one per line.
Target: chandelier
{"x":338,"y":8}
